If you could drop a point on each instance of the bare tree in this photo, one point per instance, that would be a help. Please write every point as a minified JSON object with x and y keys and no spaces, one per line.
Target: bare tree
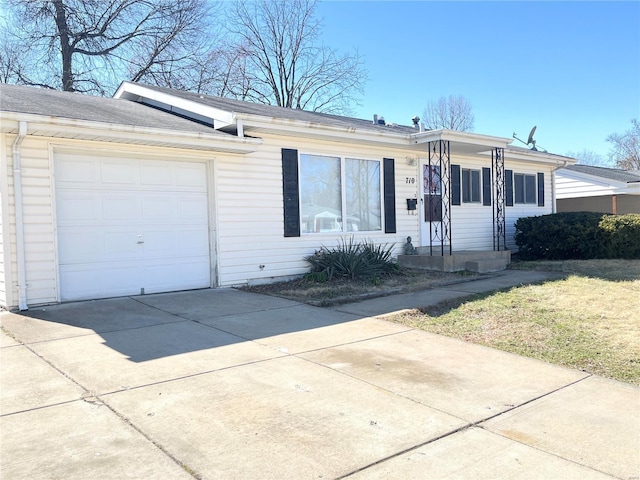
{"x":91,"y":45}
{"x":589,"y":157}
{"x":281,"y":61}
{"x":452,"y":112}
{"x":625,"y":152}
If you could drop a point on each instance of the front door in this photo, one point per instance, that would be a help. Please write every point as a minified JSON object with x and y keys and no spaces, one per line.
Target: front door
{"x":431,"y":200}
{"x":433,"y":230}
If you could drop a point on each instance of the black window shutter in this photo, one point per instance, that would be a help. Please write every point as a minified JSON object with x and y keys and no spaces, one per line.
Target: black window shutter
{"x":540,"y":189}
{"x":508,"y":187}
{"x":389,"y":196}
{"x":486,"y":186}
{"x":291,"y":192}
{"x":455,"y":184}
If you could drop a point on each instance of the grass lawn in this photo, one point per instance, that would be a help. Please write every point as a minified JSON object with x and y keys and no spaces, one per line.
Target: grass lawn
{"x":590,"y":320}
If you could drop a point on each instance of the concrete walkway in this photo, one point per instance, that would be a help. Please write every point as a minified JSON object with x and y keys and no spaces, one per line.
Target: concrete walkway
{"x":224,"y":384}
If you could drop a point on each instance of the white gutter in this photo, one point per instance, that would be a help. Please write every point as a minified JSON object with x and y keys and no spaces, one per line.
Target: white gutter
{"x":85,"y":129}
{"x":462,"y":137}
{"x":17,"y":192}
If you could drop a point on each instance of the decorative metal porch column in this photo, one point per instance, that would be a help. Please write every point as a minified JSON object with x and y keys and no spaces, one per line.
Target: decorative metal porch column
{"x":499,"y":214}
{"x":438,"y":196}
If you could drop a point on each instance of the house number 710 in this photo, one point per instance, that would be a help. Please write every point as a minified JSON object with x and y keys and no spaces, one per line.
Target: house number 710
{"x":411,"y":179}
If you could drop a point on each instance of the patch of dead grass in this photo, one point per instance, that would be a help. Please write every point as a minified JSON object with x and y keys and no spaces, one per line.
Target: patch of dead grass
{"x":591,"y":324}
{"x":617,"y":269}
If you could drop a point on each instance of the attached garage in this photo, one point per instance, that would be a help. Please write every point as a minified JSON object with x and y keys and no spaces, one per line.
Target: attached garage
{"x":103,"y":197}
{"x":129,"y":226}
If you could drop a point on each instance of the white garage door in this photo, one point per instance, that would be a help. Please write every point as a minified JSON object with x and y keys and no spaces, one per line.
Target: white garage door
{"x":130,"y":226}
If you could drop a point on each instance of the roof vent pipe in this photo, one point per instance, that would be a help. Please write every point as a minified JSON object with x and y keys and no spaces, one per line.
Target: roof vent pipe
{"x":375,"y":118}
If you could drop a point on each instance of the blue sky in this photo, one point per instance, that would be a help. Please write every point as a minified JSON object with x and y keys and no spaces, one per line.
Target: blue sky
{"x":570,"y":68}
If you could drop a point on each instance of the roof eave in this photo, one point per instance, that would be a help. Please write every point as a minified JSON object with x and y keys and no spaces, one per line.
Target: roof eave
{"x":539,"y":156}
{"x":616,"y":186}
{"x":41,"y":125}
{"x":461,"y":137}
{"x":258,"y":124}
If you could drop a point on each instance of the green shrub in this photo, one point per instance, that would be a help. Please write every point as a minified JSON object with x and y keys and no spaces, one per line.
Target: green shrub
{"x":578,"y":235}
{"x":624,"y":235}
{"x":351,"y":260}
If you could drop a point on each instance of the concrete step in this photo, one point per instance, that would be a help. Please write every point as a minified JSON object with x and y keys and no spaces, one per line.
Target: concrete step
{"x":486,"y":266}
{"x":475,"y":261}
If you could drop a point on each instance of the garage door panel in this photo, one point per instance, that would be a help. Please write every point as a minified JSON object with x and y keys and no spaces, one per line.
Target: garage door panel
{"x":156,"y":208}
{"x":164,"y":277}
{"x":189,"y":175}
{"x":178,"y":209}
{"x":82,"y":246}
{"x":156,"y":173}
{"x":120,"y":245}
{"x":77,"y":207}
{"x":178,"y":243}
{"x":73,"y":170}
{"x":137,"y":225}
{"x":120,"y":208}
{"x":196,"y":241}
{"x":118,"y":172}
{"x":191,"y":207}
{"x":79,"y":246}
{"x":87,"y":281}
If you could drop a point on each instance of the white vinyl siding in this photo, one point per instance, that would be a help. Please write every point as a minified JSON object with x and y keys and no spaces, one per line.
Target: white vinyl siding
{"x":527,"y":209}
{"x":38,"y":222}
{"x":569,"y":185}
{"x":471,"y":221}
{"x":250,"y":211}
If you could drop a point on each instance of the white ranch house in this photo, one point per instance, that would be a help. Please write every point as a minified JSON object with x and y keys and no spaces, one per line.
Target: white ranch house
{"x":161,"y":190}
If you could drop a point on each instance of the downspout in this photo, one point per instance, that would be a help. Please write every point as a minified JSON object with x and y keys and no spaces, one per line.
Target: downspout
{"x":17,"y":193}
{"x":553,"y":186}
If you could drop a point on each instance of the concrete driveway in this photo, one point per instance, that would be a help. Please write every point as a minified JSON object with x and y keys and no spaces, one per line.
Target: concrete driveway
{"x":223,"y":384}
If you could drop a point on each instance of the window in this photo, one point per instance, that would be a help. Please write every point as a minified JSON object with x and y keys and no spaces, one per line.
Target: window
{"x":339,"y":194}
{"x":524,"y":188}
{"x":432,"y":184}
{"x":470,"y":186}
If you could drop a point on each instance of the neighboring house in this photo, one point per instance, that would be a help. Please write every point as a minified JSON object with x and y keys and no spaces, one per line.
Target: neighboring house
{"x":584,"y":188}
{"x":159,"y":190}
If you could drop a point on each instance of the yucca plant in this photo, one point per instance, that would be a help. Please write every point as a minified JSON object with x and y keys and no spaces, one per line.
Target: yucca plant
{"x":351,"y":260}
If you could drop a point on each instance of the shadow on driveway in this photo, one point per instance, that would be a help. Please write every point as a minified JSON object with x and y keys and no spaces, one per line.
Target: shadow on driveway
{"x":149,"y":327}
